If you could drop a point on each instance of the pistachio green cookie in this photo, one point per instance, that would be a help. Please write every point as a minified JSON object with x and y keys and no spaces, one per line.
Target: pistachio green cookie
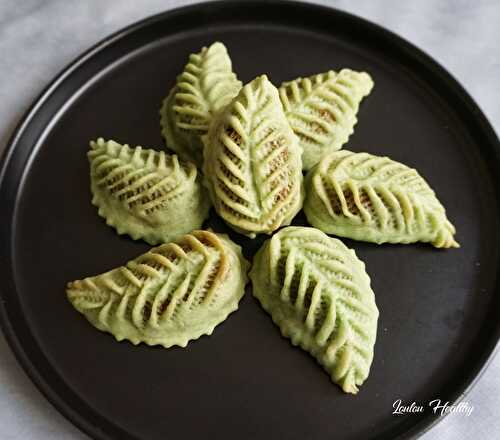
{"x":253,"y":163}
{"x":145,"y":193}
{"x":376,"y":199}
{"x":206,"y":85}
{"x":318,"y":293}
{"x":322,"y":110}
{"x":180,"y":141}
{"x":168,"y":296}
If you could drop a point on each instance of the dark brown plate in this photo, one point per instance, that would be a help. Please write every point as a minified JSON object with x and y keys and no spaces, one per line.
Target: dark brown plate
{"x":439,"y":310}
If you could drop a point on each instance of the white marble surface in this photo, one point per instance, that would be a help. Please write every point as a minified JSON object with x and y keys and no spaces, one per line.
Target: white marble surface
{"x":38,"y":38}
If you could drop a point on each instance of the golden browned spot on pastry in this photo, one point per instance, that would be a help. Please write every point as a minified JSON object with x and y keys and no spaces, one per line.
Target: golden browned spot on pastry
{"x":170,"y":295}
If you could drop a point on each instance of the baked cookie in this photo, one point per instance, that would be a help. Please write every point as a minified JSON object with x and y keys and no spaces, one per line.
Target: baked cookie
{"x":168,"y":296}
{"x":144,"y":193}
{"x":376,"y":199}
{"x":252,"y":162}
{"x":322,"y":110}
{"x":318,"y":293}
{"x":206,"y":85}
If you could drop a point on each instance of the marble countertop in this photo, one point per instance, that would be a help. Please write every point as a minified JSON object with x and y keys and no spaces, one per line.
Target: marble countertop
{"x":38,"y":38}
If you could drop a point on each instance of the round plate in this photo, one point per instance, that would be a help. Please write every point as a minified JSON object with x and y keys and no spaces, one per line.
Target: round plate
{"x":439,"y":310}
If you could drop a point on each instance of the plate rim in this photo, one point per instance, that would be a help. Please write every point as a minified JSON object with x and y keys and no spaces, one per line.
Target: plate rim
{"x":435,"y":68}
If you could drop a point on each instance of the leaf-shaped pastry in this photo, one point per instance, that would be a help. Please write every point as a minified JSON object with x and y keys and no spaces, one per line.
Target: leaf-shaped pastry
{"x":145,"y":193}
{"x":168,"y":296}
{"x":180,"y":141}
{"x":318,"y":293}
{"x":206,"y":85}
{"x":322,"y":110}
{"x":376,"y":199}
{"x":252,"y":162}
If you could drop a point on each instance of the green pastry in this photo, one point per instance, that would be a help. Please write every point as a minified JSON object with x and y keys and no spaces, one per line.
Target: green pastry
{"x":376,"y":199}
{"x":168,"y":296}
{"x":322,"y":110}
{"x":318,"y":293}
{"x":145,"y":193}
{"x":252,"y":162}
{"x":206,"y":85}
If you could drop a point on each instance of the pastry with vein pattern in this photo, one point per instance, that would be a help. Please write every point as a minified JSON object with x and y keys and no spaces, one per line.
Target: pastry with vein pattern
{"x":168,"y":296}
{"x":318,"y":293}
